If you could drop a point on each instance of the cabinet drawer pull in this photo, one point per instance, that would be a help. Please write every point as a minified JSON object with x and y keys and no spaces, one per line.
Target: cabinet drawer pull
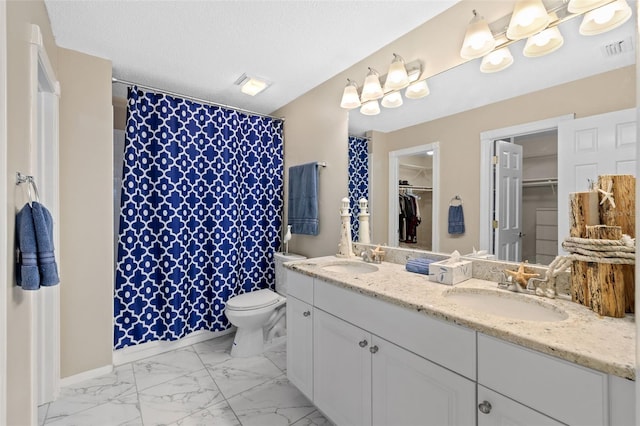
{"x":484,"y":407}
{"x":373,"y":349}
{"x":363,"y":343}
{"x":306,"y":313}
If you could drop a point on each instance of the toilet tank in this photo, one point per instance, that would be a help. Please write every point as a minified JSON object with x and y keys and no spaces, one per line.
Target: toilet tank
{"x":281,"y":281}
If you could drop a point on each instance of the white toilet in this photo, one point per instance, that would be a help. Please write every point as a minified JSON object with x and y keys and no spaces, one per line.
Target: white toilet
{"x":259,"y":315}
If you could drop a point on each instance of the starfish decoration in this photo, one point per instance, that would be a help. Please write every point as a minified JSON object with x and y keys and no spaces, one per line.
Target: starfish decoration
{"x":607,"y":195}
{"x":520,"y":276}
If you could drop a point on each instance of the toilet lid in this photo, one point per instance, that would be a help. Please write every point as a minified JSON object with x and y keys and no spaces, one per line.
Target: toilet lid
{"x":253,"y":300}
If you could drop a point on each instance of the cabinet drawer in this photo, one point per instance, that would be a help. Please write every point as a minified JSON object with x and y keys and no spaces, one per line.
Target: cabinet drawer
{"x":300,"y":286}
{"x":569,"y":393}
{"x":448,"y":345}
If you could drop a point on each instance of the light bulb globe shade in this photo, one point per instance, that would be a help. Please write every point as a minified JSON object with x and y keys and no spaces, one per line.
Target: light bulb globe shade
{"x":392,"y":100}
{"x":605,"y":18}
{"x":397,"y":77}
{"x":582,"y":6}
{"x":371,"y":88}
{"x":543,"y":43}
{"x":370,"y":108}
{"x":478,"y":40}
{"x":417,"y":90}
{"x":496,"y":60}
{"x":350,"y":98}
{"x":529,"y":17}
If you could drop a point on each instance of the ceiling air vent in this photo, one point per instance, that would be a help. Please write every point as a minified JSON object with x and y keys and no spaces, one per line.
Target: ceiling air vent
{"x":617,"y":47}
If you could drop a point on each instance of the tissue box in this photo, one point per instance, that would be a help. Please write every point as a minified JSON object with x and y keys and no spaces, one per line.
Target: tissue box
{"x":447,"y":272}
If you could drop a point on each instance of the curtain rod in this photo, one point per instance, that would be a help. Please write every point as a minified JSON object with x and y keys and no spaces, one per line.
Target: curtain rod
{"x":191,"y":98}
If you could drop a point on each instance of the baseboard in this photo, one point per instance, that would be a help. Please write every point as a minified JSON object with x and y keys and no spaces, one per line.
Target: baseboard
{"x":145,"y":350}
{"x":86,"y":375}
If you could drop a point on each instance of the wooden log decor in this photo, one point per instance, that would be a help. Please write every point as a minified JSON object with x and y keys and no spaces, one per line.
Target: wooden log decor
{"x":606,"y":283}
{"x":583,"y":212}
{"x":618,"y":208}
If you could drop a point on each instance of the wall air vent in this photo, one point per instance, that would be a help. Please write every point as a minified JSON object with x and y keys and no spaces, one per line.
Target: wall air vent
{"x":617,"y":47}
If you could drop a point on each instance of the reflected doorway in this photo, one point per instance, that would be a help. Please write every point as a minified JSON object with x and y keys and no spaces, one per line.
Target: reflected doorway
{"x":525,"y":202}
{"x":413,"y":197}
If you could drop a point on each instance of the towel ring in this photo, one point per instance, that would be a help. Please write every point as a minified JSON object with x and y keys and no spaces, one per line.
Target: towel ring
{"x":31,"y":183}
{"x":454,"y":199}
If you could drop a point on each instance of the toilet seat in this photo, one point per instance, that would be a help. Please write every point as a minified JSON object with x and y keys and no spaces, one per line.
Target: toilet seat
{"x":254,"y":300}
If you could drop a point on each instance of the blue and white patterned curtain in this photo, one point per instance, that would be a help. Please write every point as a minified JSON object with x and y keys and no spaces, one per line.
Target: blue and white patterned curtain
{"x":358,"y":178}
{"x":200,"y":215}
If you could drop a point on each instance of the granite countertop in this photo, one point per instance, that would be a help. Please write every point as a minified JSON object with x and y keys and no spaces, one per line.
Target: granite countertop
{"x":585,"y":338}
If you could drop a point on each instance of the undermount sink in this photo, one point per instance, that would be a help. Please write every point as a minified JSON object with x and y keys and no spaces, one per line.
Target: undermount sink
{"x":507,"y":305}
{"x":348,"y":267}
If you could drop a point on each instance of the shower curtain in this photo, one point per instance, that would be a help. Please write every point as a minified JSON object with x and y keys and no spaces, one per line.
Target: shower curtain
{"x":200,"y":215}
{"x":358,"y":179}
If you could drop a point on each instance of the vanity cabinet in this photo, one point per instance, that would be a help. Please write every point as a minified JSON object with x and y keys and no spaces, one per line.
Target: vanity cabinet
{"x":300,"y":332}
{"x":366,"y":361}
{"x":300,"y":345}
{"x":362,"y":379}
{"x":342,"y":370}
{"x":497,"y":410}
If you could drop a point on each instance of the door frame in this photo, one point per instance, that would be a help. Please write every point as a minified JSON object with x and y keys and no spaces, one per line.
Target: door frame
{"x":435,"y":194}
{"x":44,"y":166}
{"x":486,"y":181}
{"x":4,"y":241}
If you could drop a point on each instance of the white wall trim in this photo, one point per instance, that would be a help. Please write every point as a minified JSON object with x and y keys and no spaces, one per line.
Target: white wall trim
{"x":435,"y":194}
{"x":145,"y":350}
{"x":486,"y":184}
{"x":86,"y":375}
{"x":44,"y":166}
{"x":4,"y":241}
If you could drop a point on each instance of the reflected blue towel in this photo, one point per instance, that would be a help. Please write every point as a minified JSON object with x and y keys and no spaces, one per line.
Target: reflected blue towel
{"x":419,"y":266}
{"x":456,"y":220}
{"x":303,"y":199}
{"x":36,"y":263}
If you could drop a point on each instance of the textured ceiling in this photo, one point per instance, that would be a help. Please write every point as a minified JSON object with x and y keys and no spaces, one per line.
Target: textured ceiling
{"x":199,"y":48}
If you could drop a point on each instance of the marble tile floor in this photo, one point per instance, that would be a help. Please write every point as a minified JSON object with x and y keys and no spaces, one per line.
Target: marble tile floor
{"x":197,"y":385}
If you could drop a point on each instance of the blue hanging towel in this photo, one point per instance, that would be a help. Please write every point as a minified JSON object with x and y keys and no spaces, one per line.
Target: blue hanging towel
{"x":27,"y":274}
{"x":303,"y":199}
{"x":36,"y":263}
{"x":43,"y":223}
{"x":456,"y":220}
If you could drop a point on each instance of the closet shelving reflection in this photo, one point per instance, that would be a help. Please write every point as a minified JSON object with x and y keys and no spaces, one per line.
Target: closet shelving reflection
{"x":550,"y":182}
{"x":415,"y":188}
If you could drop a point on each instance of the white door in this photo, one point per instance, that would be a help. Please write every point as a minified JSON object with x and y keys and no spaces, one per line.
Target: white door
{"x":300,"y":345}
{"x":497,"y":410}
{"x":508,"y":201}
{"x":342,"y":370}
{"x":588,"y":147}
{"x":409,"y":390}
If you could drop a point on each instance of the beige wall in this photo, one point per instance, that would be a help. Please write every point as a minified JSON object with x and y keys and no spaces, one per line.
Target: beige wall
{"x":460,"y":145}
{"x":316,"y":130}
{"x":86,"y":210}
{"x":20,"y":16}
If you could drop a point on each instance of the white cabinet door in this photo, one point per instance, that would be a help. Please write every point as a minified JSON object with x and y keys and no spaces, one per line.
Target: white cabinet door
{"x":300,"y":345}
{"x":497,"y":410}
{"x":342,"y":370}
{"x":409,"y":390}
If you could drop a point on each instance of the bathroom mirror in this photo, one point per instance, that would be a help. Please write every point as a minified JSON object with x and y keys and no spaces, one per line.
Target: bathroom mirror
{"x":580,"y":78}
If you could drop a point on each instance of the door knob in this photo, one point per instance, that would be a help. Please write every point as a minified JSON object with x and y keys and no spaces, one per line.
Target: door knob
{"x":373,"y":349}
{"x":363,"y":343}
{"x":306,"y":313}
{"x":484,"y":407}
